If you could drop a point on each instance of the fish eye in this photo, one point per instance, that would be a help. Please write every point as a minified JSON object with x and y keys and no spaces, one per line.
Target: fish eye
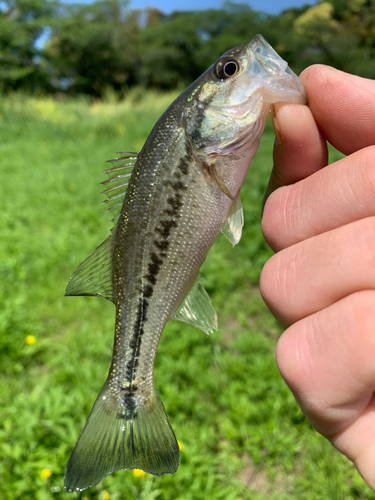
{"x":226,"y":67}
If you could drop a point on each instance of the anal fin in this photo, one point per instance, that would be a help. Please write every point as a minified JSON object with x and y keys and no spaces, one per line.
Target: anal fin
{"x":197,"y":310}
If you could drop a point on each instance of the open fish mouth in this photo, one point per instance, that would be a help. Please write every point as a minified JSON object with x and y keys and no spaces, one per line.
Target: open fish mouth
{"x":280,"y":82}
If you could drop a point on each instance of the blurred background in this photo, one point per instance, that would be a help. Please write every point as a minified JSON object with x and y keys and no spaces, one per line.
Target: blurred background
{"x":78,"y":82}
{"x":92,"y":48}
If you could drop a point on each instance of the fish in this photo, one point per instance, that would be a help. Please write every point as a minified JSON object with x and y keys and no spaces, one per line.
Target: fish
{"x":169,"y":204}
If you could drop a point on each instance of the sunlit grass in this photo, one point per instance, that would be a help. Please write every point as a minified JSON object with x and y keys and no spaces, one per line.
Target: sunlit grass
{"x":241,"y":434}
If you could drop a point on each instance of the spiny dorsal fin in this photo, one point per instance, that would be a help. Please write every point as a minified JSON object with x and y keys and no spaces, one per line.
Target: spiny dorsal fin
{"x":94,"y":275}
{"x":232,"y":228}
{"x":197,"y":310}
{"x":117,"y":183}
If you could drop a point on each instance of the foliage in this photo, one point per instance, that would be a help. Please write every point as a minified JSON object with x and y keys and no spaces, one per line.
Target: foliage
{"x":92,"y":47}
{"x":242,"y":433}
{"x":22,"y":22}
{"x":100,"y":47}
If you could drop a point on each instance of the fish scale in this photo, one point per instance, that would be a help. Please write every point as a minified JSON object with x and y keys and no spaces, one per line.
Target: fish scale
{"x":183,"y":190}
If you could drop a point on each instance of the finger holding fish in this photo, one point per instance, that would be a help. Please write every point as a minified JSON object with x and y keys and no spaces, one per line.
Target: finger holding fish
{"x":340,"y":193}
{"x":327,"y":359}
{"x":340,"y":110}
{"x":343,"y":106}
{"x":322,"y":281}
{"x":299,"y":149}
{"x":313,"y":274}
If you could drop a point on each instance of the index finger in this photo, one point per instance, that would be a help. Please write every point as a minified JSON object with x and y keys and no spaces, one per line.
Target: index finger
{"x":341,"y":110}
{"x":299,"y":149}
{"x":343,"y":106}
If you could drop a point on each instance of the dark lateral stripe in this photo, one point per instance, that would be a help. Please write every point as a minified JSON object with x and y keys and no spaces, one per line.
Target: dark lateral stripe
{"x":135,"y":345}
{"x":153,"y":268}
{"x":157,"y":256}
{"x":183,"y":165}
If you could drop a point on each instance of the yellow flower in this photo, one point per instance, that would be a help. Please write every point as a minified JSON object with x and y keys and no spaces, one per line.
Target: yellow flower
{"x":31,"y":340}
{"x":105,"y":495}
{"x":46,"y":473}
{"x":138,"y":473}
{"x":181,"y":446}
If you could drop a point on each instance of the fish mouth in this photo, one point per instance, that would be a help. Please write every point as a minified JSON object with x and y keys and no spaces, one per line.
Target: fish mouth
{"x":281,"y":84}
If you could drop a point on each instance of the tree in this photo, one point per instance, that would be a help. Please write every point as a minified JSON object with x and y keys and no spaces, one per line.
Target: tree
{"x":22,"y":24}
{"x":93,"y":47}
{"x":358,"y":20}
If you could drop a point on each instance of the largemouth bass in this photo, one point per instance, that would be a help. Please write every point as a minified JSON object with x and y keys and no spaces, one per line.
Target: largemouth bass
{"x":170,"y":203}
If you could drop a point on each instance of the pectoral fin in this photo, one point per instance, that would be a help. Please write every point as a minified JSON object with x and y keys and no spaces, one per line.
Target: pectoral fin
{"x":232,"y":228}
{"x":197,"y":310}
{"x":219,"y":181}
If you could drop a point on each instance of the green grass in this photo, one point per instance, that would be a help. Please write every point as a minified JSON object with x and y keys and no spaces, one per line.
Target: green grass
{"x":244,"y":437}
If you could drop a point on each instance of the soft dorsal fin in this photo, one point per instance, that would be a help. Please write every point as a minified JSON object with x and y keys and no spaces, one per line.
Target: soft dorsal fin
{"x":197,"y":310}
{"x":117,"y":183}
{"x":232,"y":228}
{"x":94,"y":275}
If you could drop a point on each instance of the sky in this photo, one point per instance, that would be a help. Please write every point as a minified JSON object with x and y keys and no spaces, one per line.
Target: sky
{"x":168,"y":6}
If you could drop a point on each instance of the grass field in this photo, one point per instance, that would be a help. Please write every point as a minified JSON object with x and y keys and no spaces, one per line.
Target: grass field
{"x":242,"y":434}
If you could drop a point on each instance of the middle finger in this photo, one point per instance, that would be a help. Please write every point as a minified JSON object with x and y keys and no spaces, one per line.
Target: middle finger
{"x":315,"y":273}
{"x":334,"y":196}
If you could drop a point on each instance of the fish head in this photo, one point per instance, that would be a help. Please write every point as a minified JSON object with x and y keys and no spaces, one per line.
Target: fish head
{"x":225,"y":109}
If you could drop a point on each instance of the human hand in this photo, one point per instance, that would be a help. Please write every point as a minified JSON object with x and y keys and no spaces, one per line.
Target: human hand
{"x":321,"y":281}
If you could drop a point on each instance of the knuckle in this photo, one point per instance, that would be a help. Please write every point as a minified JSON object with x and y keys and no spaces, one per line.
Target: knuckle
{"x":367,"y":177}
{"x":267,"y":279}
{"x":273,"y":284}
{"x":363,"y":310}
{"x":271,"y":209}
{"x":276,"y":220}
{"x":293,"y":356}
{"x":362,"y":329}
{"x":367,"y":239}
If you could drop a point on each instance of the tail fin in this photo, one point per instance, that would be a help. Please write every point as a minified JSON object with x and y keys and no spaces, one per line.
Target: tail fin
{"x":116,"y":438}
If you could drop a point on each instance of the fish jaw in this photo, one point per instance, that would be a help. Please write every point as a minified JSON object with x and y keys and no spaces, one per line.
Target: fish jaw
{"x":279,"y":82}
